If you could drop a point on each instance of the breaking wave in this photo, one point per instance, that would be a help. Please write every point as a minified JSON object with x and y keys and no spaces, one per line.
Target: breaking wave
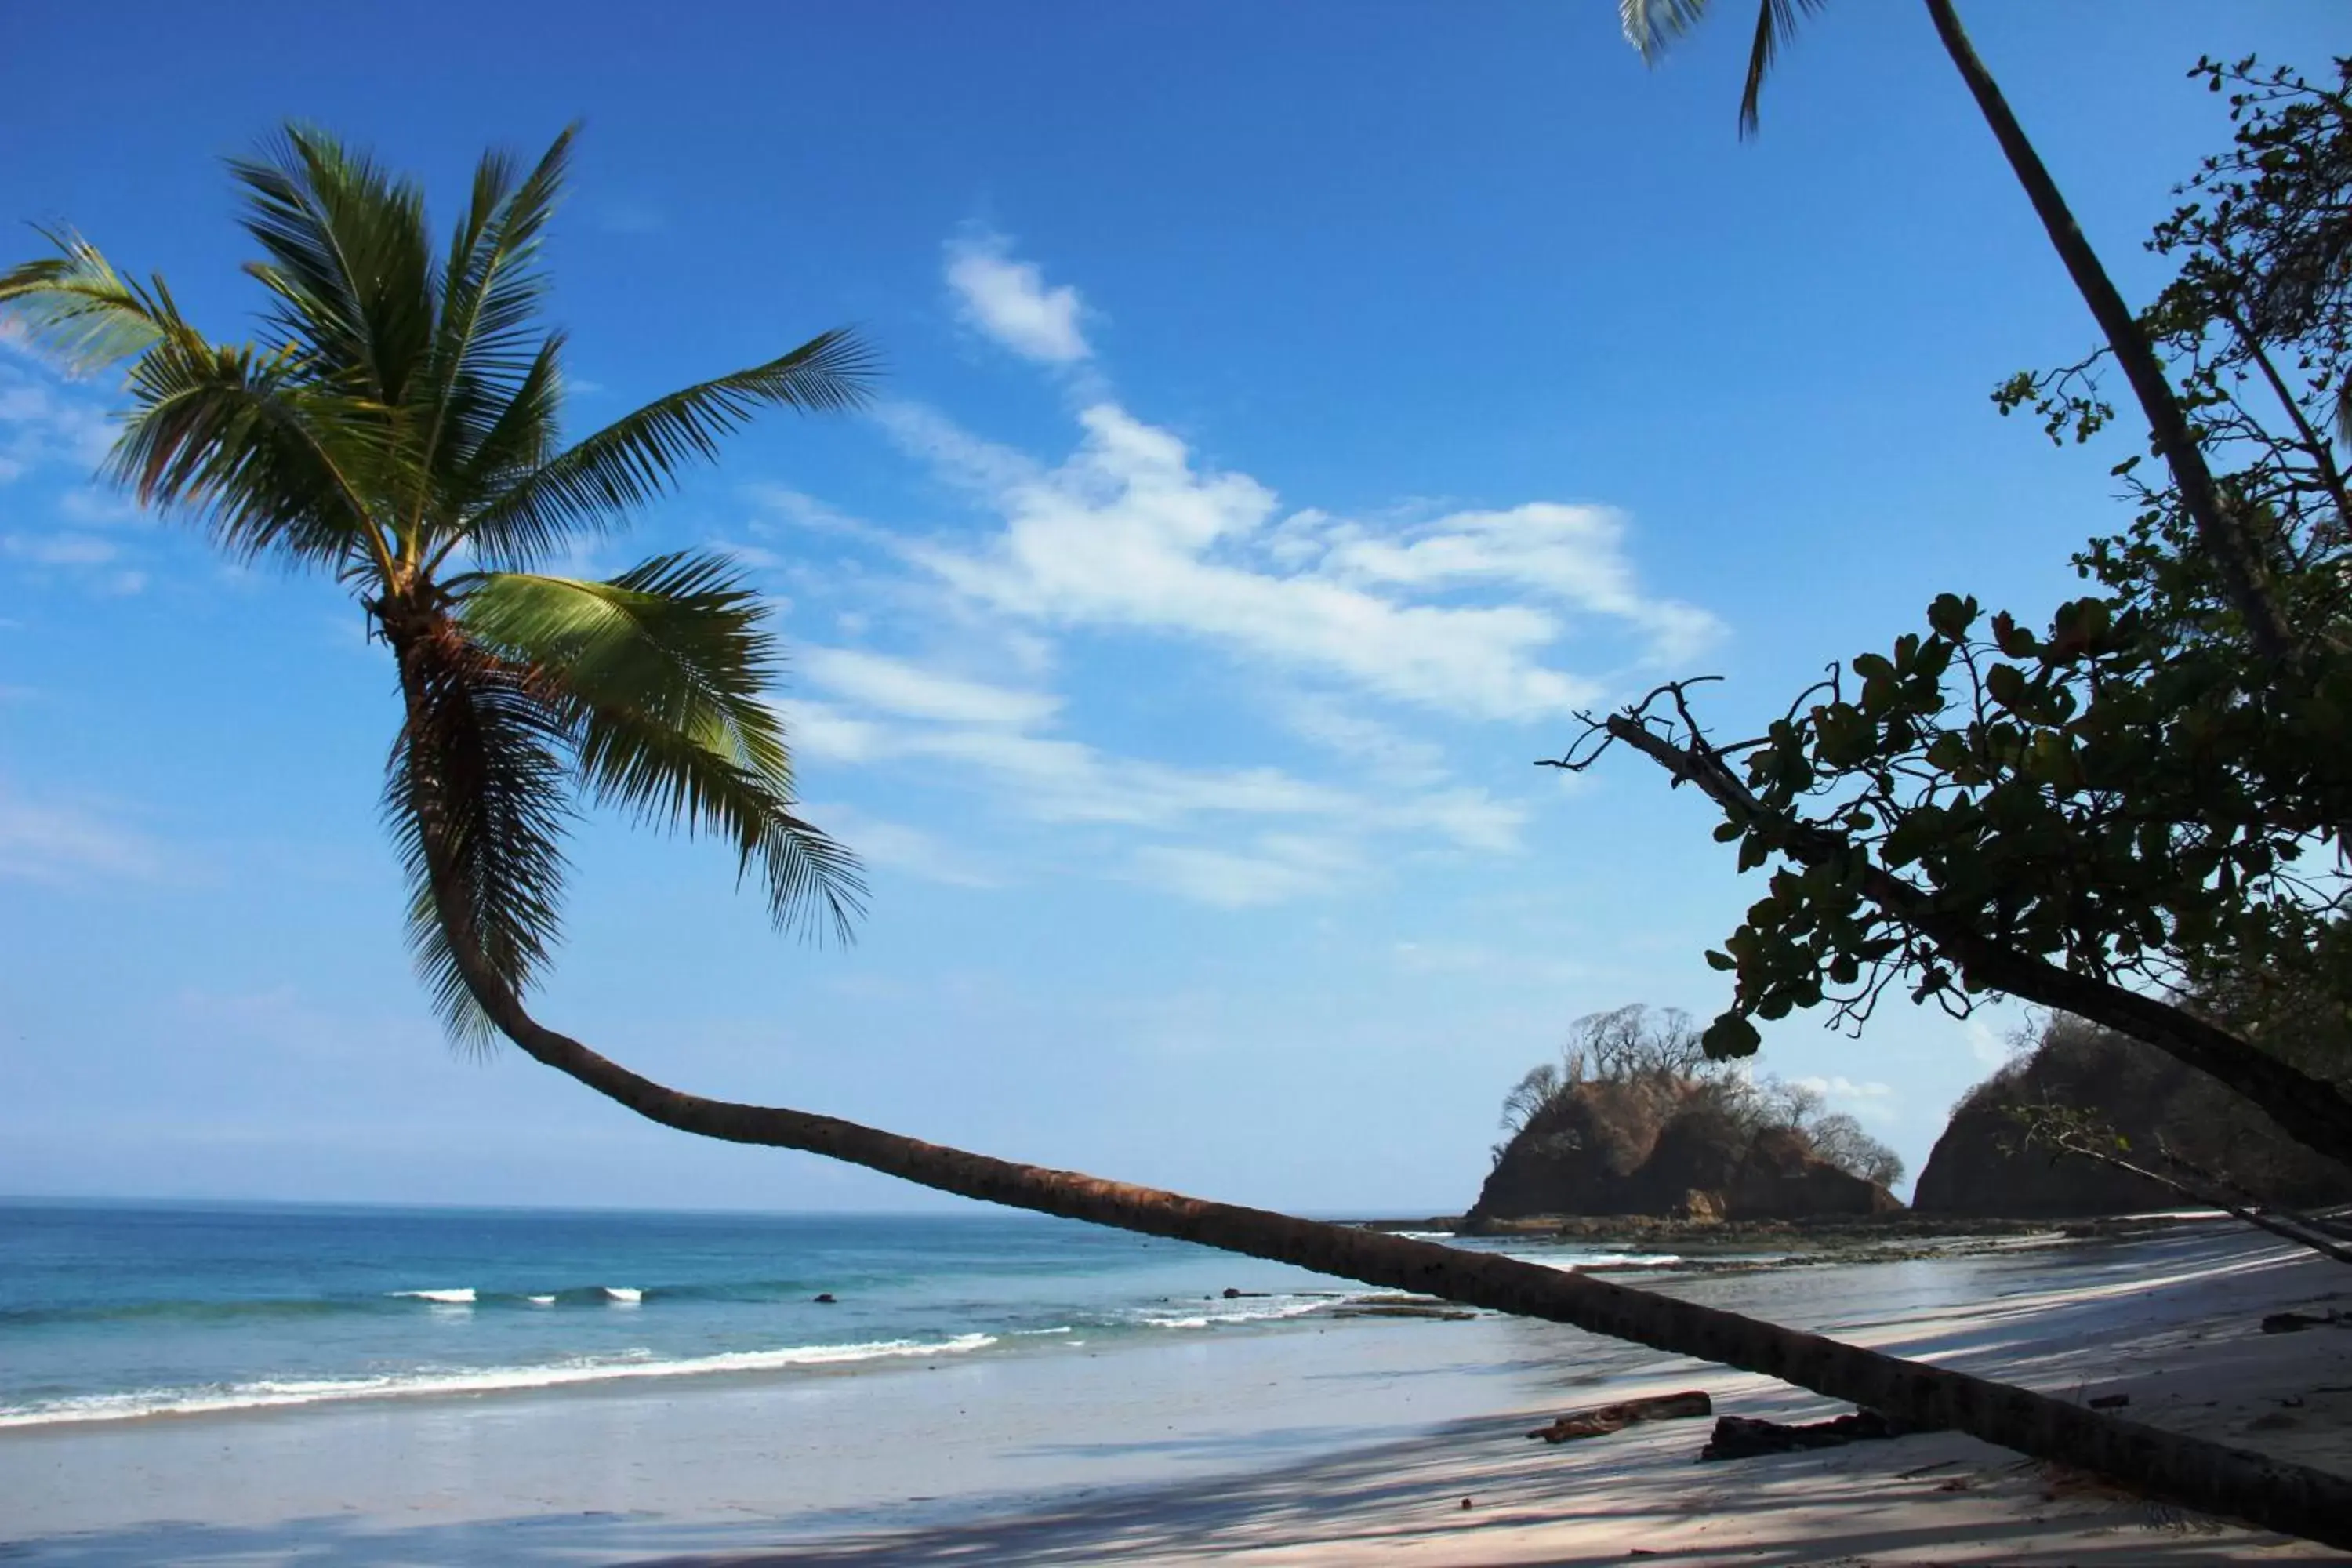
{"x":268,"y":1392}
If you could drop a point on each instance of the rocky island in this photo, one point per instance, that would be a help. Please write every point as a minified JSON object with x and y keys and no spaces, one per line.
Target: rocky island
{"x":1635,"y":1122}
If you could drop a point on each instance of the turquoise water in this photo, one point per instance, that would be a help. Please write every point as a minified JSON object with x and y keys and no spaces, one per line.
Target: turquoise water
{"x":112,"y":1312}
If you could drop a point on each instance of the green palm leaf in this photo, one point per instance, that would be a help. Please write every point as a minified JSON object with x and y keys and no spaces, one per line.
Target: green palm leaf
{"x":663,"y":674}
{"x":1650,"y":25}
{"x":403,"y":400}
{"x":78,"y":309}
{"x":1776,"y":24}
{"x":606,"y":475}
{"x":274,"y":464}
{"x":479,"y":768}
{"x":488,"y":343}
{"x":351,"y":266}
{"x":512,"y":445}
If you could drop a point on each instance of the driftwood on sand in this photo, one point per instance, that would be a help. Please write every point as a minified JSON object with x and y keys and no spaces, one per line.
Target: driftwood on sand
{"x":1603,"y":1419}
{"x":1742,"y":1438}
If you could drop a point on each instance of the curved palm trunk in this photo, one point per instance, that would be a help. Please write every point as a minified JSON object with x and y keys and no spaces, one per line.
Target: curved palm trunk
{"x":2227,"y":543}
{"x":2312,"y":1110}
{"x":2267,"y":1493}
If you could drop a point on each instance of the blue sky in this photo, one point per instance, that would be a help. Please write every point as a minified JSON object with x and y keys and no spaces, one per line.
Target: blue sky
{"x":1293,"y":415}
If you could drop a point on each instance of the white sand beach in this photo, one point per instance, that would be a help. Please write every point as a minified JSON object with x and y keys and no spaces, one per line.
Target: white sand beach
{"x":1329,"y":1445}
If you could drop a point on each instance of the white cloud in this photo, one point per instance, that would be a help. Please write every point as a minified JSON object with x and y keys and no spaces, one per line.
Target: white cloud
{"x":1453,"y":616}
{"x":1871,"y":1101}
{"x":910,"y":691}
{"x":1054,"y":780}
{"x":92,"y":505}
{"x":60,"y":842}
{"x":1059,"y":783}
{"x":59,"y":548}
{"x":1466,"y":817}
{"x":1991,"y":1050}
{"x":1009,"y":302}
{"x":801,"y":509}
{"x":40,"y":425}
{"x":881,"y":842}
{"x":1128,"y":532}
{"x":1282,"y":867}
{"x":1574,"y":553}
{"x":1396,"y":758}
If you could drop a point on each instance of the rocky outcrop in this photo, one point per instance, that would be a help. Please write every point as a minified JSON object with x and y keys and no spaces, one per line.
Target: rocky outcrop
{"x":1668,"y":1148}
{"x":1984,"y":1166}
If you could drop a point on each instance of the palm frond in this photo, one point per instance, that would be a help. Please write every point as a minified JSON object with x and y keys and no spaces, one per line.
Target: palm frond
{"x":274,"y":464}
{"x":477,"y":781}
{"x":812,"y":880}
{"x":521,"y":436}
{"x":595,"y":483}
{"x":664,"y":672}
{"x":77,"y":308}
{"x":486,"y":343}
{"x":1776,"y":24}
{"x":1650,"y":25}
{"x":351,"y":265}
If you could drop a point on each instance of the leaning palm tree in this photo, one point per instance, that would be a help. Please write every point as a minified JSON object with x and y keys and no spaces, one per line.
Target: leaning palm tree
{"x":395,"y":425}
{"x":1650,"y":25}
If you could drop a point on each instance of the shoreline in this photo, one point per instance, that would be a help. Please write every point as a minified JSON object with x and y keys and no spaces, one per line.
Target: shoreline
{"x":1608,"y":1251}
{"x":1288,"y":1444}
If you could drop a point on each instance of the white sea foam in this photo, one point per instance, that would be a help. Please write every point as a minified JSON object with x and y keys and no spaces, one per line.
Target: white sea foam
{"x":1240,"y":1309}
{"x":459,"y":1298}
{"x":623,"y":1295}
{"x":541,"y":1300}
{"x":486,"y":1380}
{"x":1572,"y":1261}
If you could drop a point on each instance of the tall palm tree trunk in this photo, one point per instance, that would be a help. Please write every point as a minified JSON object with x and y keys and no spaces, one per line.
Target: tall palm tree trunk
{"x":2267,"y":1493}
{"x":2233,"y":553}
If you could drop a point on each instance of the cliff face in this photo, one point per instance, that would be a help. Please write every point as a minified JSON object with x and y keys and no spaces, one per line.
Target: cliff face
{"x":1665,"y":1147}
{"x":1980,"y":1171}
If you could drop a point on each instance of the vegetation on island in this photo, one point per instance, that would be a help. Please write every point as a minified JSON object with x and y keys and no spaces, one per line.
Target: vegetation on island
{"x":395,"y":425}
{"x":1635,"y":1119}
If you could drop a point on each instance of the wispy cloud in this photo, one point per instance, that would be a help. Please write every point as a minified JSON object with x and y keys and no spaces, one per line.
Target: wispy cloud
{"x":881,"y":842}
{"x":1276,"y":868}
{"x":1392,"y":756}
{"x":1230,"y":835}
{"x":1129,"y":532}
{"x":1871,"y":1100}
{"x":897,"y":688}
{"x":1008,"y":301}
{"x":42,"y":425}
{"x":61,"y":843}
{"x":59,"y":549}
{"x":1991,"y":1050}
{"x":1373,"y":638}
{"x":780,"y":503}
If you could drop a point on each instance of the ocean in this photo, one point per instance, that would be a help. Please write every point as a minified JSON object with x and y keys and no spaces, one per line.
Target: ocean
{"x":113,"y":1311}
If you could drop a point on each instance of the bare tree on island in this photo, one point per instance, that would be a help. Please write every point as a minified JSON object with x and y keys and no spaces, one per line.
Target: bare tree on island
{"x":396,"y":426}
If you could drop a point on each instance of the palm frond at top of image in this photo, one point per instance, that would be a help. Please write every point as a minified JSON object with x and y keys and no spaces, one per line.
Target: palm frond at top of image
{"x":1653,"y":26}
